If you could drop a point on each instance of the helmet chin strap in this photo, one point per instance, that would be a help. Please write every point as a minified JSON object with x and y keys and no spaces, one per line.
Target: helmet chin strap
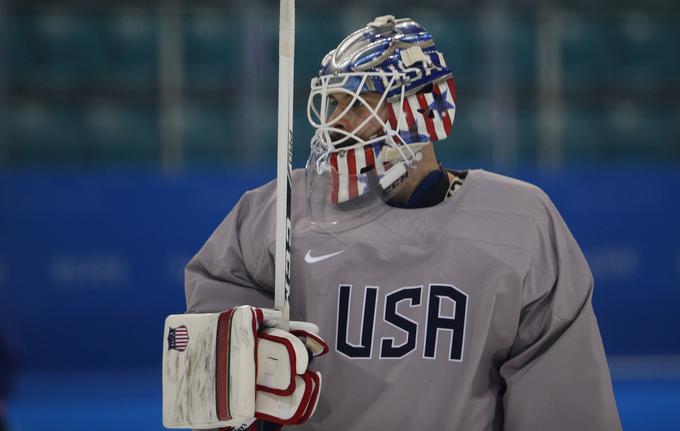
{"x":393,"y":154}
{"x":400,"y":161}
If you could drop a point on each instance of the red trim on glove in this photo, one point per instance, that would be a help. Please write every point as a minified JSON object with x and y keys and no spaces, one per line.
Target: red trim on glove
{"x":257,"y":321}
{"x":313,"y":399}
{"x":293,"y":361}
{"x":303,"y":333}
{"x":302,"y":407}
{"x":222,"y":370}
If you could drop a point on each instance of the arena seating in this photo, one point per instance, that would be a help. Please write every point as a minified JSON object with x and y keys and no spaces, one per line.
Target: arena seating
{"x":71,"y":65}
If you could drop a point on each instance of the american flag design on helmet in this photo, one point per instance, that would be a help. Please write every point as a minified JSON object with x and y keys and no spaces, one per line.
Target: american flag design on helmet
{"x":351,"y":171}
{"x":429,"y":115}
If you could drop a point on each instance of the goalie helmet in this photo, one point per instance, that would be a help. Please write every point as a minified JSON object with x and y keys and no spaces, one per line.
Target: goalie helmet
{"x":397,"y":60}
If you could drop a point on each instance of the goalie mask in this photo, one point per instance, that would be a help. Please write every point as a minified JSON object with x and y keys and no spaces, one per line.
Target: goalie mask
{"x":381,"y":95}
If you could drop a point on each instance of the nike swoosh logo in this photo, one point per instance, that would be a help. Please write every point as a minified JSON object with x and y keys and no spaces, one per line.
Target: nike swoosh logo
{"x":313,"y":259}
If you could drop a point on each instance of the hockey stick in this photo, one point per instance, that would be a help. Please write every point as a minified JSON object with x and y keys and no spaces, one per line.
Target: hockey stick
{"x":284,"y":157}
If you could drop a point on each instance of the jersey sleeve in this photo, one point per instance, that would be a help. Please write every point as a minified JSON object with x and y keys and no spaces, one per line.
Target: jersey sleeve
{"x":234,"y":267}
{"x":557,"y":375}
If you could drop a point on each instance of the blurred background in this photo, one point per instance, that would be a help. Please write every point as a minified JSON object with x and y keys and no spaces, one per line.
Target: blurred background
{"x":128,"y":129}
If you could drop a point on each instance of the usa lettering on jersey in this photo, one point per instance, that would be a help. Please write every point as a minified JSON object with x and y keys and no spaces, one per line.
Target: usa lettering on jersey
{"x":435,"y":322}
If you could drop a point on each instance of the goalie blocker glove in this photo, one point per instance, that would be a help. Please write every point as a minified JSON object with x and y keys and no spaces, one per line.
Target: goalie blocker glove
{"x":229,"y":369}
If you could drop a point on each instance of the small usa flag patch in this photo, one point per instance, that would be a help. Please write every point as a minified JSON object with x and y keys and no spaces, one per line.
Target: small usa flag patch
{"x":178,"y":338}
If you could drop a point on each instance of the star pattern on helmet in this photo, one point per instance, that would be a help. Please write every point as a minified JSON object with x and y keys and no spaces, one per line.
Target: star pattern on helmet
{"x":441,"y":104}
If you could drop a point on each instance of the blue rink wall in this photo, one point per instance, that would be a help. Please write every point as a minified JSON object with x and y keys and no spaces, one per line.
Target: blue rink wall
{"x":91,"y":263}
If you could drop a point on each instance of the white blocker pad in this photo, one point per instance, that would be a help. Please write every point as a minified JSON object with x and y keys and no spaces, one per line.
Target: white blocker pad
{"x":308,"y":333}
{"x":209,"y":369}
{"x":280,"y":357}
{"x":294,"y":409}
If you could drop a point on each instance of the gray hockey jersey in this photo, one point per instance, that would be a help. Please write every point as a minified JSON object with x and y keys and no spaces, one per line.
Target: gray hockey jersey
{"x":471,"y":315}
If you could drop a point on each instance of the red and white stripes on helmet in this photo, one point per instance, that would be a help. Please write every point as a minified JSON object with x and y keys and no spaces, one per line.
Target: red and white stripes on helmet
{"x":351,"y":171}
{"x":412,"y":120}
{"x":429,"y":116}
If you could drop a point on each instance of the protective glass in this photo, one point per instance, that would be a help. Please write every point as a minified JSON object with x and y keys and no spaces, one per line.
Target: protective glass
{"x":337,"y":200}
{"x":350,"y":187}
